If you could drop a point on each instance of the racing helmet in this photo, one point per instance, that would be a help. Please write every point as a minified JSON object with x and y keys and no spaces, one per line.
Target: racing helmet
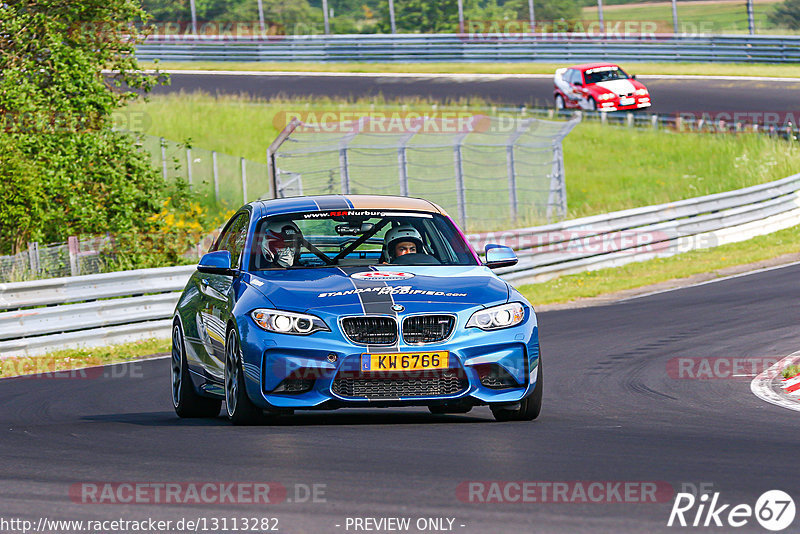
{"x":281,"y":242}
{"x":398,"y":234}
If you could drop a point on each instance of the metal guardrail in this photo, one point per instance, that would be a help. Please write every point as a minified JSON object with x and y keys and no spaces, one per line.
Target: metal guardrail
{"x":481,"y":47}
{"x":662,"y":230}
{"x":87,"y":310}
{"x":90,"y":310}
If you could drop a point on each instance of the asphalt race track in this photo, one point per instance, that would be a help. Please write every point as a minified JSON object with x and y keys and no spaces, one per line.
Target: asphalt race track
{"x":670,"y":95}
{"x":611,"y":413}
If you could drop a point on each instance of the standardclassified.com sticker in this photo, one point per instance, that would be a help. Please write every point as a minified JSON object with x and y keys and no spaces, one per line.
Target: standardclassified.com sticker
{"x":774,"y":510}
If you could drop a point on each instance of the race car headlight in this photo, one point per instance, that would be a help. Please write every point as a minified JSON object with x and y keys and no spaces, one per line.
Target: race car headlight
{"x":497,"y":317}
{"x":641,"y":92}
{"x":287,"y":322}
{"x":607,"y":96}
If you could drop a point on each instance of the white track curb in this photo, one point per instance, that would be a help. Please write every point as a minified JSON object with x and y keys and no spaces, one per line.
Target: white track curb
{"x":771,"y":387}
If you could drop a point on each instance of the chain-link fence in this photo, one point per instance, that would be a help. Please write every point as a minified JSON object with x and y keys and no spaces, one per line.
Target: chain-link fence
{"x":221,"y":181}
{"x":76,"y":256}
{"x":489,"y":172}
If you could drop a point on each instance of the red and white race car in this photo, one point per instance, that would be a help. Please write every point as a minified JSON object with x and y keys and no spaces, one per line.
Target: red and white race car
{"x":599,"y":87}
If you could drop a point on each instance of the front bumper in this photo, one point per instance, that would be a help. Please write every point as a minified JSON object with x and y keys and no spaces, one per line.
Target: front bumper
{"x":640,"y":103}
{"x":321,"y":371}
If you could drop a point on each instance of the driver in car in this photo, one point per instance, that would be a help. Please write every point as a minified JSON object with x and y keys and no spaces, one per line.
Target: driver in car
{"x":402,"y":240}
{"x":280,"y":245}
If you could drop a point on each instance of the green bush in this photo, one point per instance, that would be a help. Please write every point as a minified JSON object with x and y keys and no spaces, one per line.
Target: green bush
{"x":64,"y":170}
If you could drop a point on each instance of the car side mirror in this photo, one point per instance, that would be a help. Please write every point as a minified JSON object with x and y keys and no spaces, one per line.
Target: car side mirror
{"x":217,"y":262}
{"x":500,"y":256}
{"x":633,"y":76}
{"x":579,"y":84}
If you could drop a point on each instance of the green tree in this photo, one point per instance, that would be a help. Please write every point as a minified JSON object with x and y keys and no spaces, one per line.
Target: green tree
{"x":786,"y":14}
{"x":545,"y":10}
{"x":284,"y":13}
{"x":64,"y":170}
{"x":425,"y":16}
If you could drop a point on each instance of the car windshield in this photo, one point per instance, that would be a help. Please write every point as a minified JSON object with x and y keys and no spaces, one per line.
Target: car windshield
{"x":357,"y":238}
{"x":605,"y":74}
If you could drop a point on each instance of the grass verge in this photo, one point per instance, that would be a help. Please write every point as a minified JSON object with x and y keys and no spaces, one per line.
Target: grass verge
{"x":70,"y":359}
{"x":634,"y":275}
{"x":646,"y":68}
{"x":791,"y":371}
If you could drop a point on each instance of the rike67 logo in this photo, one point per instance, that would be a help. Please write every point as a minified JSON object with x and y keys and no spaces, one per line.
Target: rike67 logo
{"x":774,"y":510}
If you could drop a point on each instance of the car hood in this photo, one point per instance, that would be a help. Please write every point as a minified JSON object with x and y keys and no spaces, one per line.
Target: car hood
{"x":376,"y":289}
{"x":620,"y":87}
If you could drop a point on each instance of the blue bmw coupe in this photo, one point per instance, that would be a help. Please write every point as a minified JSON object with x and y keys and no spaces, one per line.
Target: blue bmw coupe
{"x":317,"y":303}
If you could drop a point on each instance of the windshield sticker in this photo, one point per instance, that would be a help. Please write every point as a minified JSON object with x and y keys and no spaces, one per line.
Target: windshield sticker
{"x":364,"y":213}
{"x":391,"y":290}
{"x":381,"y":276}
{"x":600,"y":69}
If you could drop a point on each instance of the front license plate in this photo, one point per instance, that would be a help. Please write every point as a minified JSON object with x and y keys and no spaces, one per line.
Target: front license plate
{"x":406,"y":361}
{"x":626,"y":101}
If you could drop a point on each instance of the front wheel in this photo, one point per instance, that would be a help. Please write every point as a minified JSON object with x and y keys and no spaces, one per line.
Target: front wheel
{"x":529,"y":407}
{"x":185,"y":400}
{"x":592,"y":104}
{"x":240,"y":409}
{"x":559,"y":103}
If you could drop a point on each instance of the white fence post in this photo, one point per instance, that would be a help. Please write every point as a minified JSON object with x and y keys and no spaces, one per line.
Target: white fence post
{"x":216,"y":175}
{"x":244,"y":180}
{"x":189,"y":165}
{"x":33,"y":256}
{"x":74,"y":248}
{"x":163,"y":157}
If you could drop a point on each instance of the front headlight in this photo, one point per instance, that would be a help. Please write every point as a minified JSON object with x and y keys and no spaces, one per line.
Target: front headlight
{"x":283,"y":322}
{"x":497,"y":317}
{"x":641,"y":92}
{"x":608,"y":96}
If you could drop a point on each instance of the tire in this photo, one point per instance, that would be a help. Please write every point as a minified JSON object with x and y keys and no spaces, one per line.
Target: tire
{"x":238,"y":406}
{"x":529,"y":407}
{"x":560,"y":103}
{"x":592,"y":104}
{"x":185,"y":400}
